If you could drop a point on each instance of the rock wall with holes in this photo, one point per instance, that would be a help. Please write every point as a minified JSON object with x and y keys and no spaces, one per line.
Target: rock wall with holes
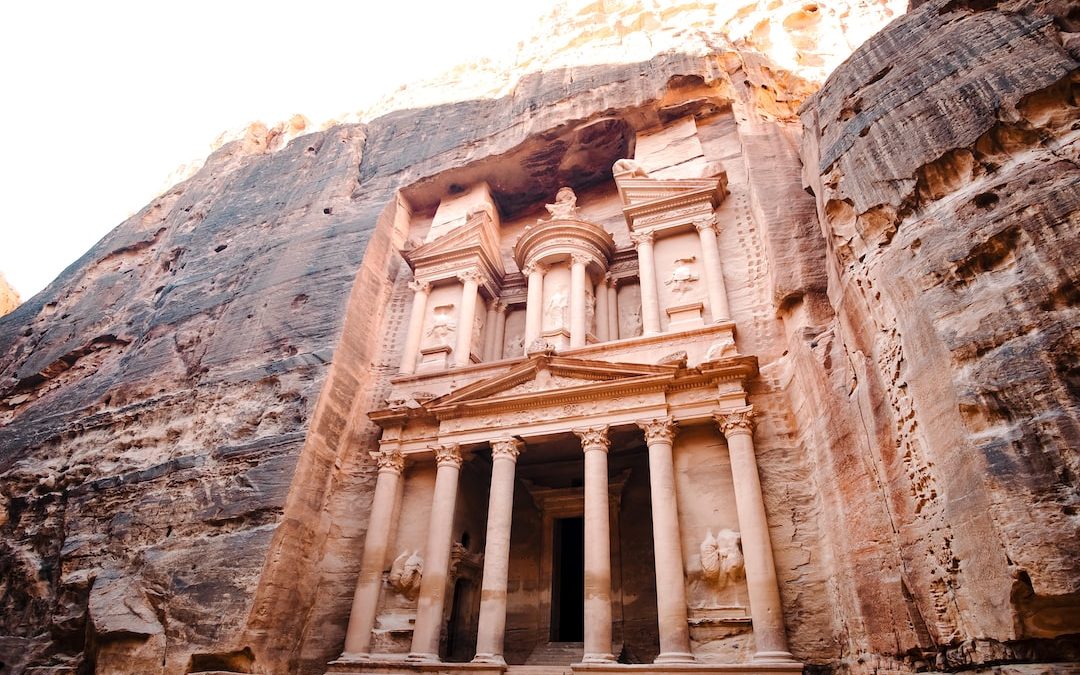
{"x":939,"y":406}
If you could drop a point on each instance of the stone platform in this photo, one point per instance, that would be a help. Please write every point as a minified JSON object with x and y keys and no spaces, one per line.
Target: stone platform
{"x":401,"y":667}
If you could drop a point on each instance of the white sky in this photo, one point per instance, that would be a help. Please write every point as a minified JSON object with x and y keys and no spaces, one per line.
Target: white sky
{"x":104,"y":100}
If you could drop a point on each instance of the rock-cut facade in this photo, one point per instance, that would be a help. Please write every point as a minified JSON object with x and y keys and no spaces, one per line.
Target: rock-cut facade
{"x":688,"y":364}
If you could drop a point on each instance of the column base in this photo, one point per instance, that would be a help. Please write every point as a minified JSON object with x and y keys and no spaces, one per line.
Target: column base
{"x":675,"y":657}
{"x":355,"y":657}
{"x":495,"y":659}
{"x":598,"y":658}
{"x":773,"y":657}
{"x":421,"y":657}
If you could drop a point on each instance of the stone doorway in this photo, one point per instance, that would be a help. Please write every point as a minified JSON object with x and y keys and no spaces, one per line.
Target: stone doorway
{"x":568,"y":580}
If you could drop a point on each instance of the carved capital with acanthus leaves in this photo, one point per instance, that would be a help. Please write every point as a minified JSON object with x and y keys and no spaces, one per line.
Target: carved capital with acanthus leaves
{"x":593,"y":438}
{"x":705,"y":223}
{"x":580,"y":259}
{"x":661,"y":430}
{"x":448,"y":455}
{"x":640,"y":238}
{"x":506,"y":448}
{"x":419,"y":286}
{"x":534,"y":267}
{"x":470,"y":275}
{"x":389,"y":460}
{"x":736,"y":421}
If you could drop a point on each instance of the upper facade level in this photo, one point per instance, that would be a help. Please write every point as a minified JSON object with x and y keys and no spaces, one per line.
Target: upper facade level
{"x":570,"y":279}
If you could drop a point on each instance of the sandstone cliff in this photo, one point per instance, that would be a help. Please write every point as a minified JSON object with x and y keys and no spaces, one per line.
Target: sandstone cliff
{"x":939,"y":405}
{"x":183,"y":453}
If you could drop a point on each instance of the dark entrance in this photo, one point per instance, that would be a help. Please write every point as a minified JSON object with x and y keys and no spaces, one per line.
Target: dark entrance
{"x":568,"y":581}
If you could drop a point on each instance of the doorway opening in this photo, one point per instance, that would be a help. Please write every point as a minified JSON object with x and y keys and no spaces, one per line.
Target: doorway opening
{"x":568,"y":580}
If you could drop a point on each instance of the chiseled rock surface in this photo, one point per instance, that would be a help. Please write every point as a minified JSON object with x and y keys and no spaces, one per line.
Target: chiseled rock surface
{"x":940,"y":405}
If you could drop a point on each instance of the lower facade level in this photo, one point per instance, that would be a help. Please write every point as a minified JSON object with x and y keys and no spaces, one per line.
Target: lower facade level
{"x":564,"y":513}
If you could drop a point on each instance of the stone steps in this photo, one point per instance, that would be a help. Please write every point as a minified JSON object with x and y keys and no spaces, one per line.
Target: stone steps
{"x":556,"y":654}
{"x":538,"y":670}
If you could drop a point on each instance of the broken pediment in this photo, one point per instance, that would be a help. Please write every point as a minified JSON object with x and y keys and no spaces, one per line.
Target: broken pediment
{"x":474,"y":245}
{"x":657,"y":204}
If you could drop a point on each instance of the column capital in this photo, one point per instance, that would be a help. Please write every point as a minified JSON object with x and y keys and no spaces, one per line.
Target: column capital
{"x":389,"y":460}
{"x":500,"y":307}
{"x":448,"y":455}
{"x":706,"y":223}
{"x":508,"y":448}
{"x":609,"y":281}
{"x":640,"y":238}
{"x":659,"y":430}
{"x":535,"y":267}
{"x":420,"y":286}
{"x":736,"y":421}
{"x":469,"y":275}
{"x":593,"y":438}
{"x":579,"y":259}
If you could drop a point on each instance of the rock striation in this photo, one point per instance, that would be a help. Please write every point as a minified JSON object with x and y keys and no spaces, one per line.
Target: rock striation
{"x":184,"y":469}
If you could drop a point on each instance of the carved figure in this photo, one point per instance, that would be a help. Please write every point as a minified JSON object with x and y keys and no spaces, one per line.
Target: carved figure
{"x":557,"y":310}
{"x":477,"y":331}
{"x":721,"y":349}
{"x":565,"y":205}
{"x":633,"y":322}
{"x":682,"y":276}
{"x":590,"y":311}
{"x":442,"y":327}
{"x":678,"y":358}
{"x":628,"y":167}
{"x":722,"y":558}
{"x":405,"y":574}
{"x":516,"y":345}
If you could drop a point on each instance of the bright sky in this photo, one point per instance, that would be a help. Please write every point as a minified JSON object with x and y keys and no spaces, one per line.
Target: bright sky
{"x":104,"y":100}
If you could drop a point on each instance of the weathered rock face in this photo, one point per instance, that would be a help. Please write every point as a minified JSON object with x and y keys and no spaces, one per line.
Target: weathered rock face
{"x":939,"y":406}
{"x":9,"y":299}
{"x":183,"y":459}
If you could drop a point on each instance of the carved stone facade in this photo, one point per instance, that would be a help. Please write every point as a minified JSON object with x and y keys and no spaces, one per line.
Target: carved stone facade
{"x":597,"y":408}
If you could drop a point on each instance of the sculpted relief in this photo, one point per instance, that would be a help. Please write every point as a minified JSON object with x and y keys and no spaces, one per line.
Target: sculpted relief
{"x":557,"y":310}
{"x":721,"y":558}
{"x":565,"y":205}
{"x":405,"y":574}
{"x":682,"y":276}
{"x":443,"y":327}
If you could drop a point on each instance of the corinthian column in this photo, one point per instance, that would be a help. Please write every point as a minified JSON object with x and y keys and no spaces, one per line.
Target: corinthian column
{"x":594,"y":441}
{"x":466,"y":317}
{"x":369,"y":584}
{"x":612,"y":307}
{"x":667,"y":544}
{"x":577,"y":300}
{"x":534,"y":304}
{"x":492,"y":622}
{"x":416,"y":325}
{"x":429,"y":609}
{"x":767,"y":614}
{"x":602,"y":312}
{"x":650,"y":302}
{"x":489,"y":331}
{"x":500,"y":332}
{"x":714,"y":274}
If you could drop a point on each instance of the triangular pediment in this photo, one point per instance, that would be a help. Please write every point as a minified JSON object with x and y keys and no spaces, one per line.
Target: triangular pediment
{"x":545,"y":376}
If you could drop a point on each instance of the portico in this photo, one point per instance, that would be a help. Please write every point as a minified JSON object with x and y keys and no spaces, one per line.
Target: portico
{"x":600,"y":439}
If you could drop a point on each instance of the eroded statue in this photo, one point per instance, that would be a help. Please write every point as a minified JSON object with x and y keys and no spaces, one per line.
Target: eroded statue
{"x":405,"y":574}
{"x":442,"y":327}
{"x":565,"y":205}
{"x":722,"y":558}
{"x":557,"y":310}
{"x":682,"y":275}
